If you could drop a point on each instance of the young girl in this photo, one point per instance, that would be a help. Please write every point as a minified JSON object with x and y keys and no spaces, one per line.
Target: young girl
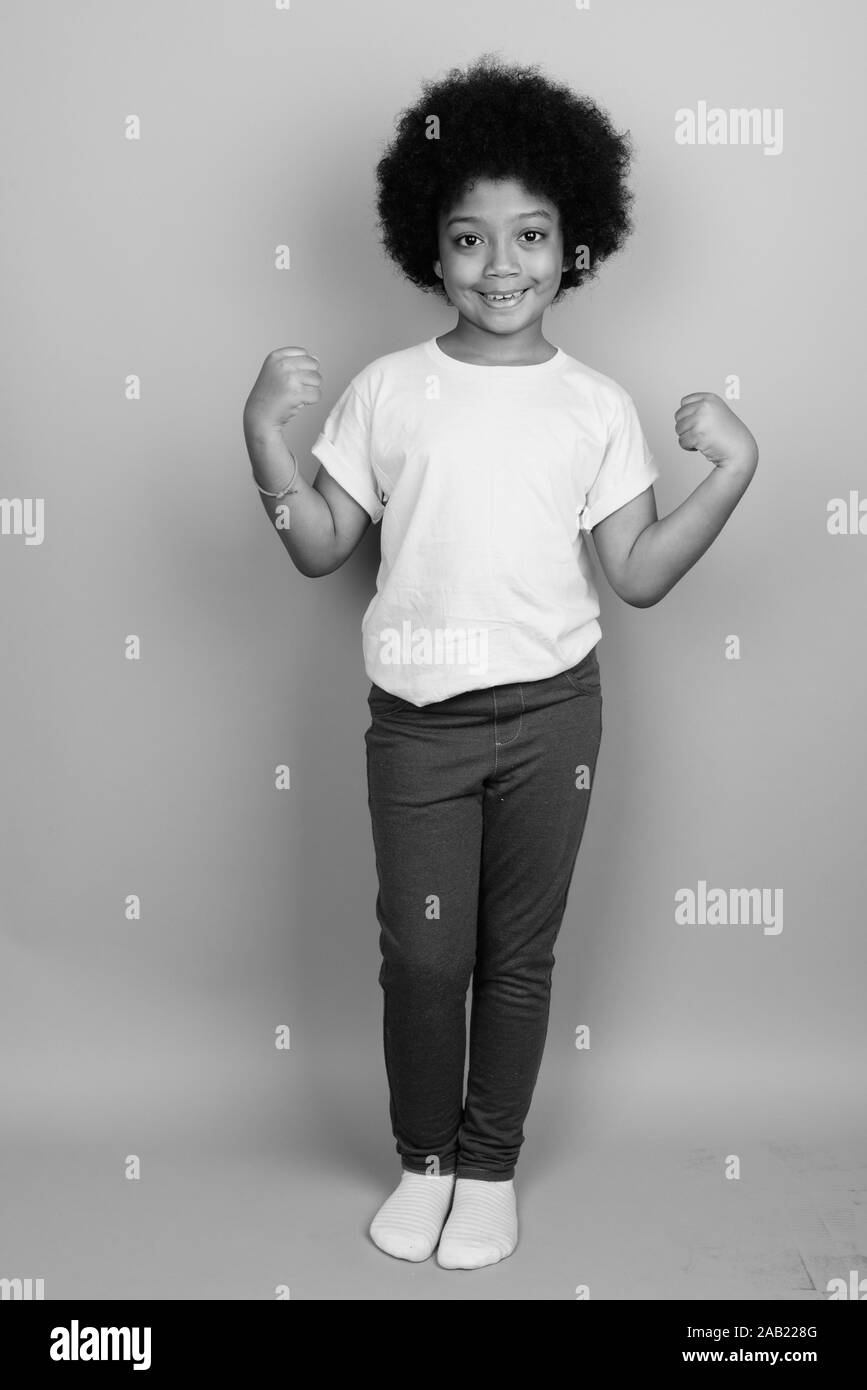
{"x":488,"y":454}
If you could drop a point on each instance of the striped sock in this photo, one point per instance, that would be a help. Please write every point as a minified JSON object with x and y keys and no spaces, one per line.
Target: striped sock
{"x":482,"y":1227}
{"x":409,"y":1222}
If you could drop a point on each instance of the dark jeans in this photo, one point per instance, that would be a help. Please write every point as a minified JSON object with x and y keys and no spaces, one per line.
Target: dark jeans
{"x":478,"y":805}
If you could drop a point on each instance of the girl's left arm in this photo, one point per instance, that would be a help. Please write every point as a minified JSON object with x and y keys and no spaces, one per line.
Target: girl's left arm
{"x":643,"y":557}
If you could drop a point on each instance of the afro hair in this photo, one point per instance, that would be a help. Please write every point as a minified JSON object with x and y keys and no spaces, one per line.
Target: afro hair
{"x":498,"y":121}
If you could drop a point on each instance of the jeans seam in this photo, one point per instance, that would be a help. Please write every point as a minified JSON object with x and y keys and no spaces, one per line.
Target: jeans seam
{"x":504,"y":743}
{"x":581,"y":685}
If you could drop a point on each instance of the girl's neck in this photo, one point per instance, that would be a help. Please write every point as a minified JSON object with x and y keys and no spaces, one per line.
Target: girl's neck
{"x":496,"y":350}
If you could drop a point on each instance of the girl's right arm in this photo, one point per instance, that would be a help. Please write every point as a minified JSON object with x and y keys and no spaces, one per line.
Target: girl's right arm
{"x":326,"y":523}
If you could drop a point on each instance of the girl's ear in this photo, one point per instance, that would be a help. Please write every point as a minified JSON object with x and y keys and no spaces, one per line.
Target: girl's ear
{"x":438,"y":270}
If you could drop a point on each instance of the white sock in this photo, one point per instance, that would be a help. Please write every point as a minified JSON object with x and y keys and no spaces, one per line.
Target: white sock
{"x":409,"y":1222}
{"x":482,"y":1227}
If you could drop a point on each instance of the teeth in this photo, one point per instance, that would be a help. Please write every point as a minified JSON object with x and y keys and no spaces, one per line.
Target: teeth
{"x":504,"y":298}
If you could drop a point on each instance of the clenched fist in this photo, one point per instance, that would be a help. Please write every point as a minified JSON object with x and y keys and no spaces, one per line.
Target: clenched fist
{"x":705,"y":423}
{"x":289,"y":380}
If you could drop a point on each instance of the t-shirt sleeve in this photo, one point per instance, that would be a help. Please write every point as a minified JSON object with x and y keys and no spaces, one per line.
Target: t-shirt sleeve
{"x":344,"y":448}
{"x":627,"y":469}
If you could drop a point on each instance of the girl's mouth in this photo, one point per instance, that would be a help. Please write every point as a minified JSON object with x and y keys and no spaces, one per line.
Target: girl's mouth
{"x":502,"y":301}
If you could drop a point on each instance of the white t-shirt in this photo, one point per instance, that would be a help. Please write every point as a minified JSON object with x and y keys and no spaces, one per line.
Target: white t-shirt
{"x":485,"y":480}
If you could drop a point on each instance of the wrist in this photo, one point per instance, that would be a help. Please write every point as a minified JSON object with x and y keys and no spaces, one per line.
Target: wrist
{"x":261,"y":431}
{"x":743,"y":463}
{"x":272,"y":461}
{"x":282,"y":487}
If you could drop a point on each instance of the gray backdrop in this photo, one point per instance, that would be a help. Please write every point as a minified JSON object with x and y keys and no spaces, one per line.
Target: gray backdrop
{"x":261,"y":1167}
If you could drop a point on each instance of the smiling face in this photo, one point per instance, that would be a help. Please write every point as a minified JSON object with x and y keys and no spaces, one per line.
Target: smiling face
{"x":500,"y":240}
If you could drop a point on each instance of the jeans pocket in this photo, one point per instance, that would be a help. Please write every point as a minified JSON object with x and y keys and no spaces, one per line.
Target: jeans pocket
{"x":585,"y":677}
{"x":383,"y":702}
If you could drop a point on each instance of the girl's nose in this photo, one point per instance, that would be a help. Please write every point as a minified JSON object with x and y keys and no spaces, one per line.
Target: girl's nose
{"x":503,"y":260}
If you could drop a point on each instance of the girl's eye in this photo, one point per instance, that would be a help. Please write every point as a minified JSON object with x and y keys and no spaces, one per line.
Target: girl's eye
{"x":531,"y":231}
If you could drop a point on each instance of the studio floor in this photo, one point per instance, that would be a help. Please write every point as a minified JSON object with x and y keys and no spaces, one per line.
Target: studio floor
{"x":631,"y":1206}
